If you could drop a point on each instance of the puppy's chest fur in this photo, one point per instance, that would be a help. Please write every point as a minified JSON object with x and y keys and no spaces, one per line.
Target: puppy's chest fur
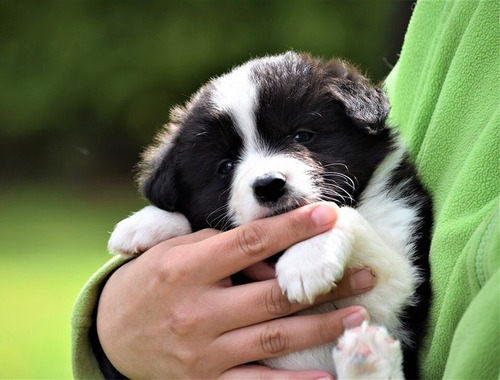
{"x":275,"y":134}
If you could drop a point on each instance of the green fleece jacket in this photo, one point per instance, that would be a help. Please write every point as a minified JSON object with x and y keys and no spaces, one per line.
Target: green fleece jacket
{"x":444,"y":93}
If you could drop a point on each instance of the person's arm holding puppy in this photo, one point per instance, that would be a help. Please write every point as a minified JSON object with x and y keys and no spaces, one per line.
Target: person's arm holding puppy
{"x":172,"y":312}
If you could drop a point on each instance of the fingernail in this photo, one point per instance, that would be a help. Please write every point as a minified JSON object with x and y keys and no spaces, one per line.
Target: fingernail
{"x":362,"y":280}
{"x":355,"y":319}
{"x":324,"y":214}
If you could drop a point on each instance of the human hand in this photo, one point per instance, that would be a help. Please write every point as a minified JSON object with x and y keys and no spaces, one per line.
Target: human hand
{"x":173,"y":312}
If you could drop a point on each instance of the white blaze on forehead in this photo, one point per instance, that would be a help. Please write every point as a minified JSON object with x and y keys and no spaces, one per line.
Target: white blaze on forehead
{"x":236,"y":94}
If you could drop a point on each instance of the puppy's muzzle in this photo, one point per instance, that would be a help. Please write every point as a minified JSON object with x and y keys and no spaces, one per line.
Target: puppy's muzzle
{"x":269,"y":188}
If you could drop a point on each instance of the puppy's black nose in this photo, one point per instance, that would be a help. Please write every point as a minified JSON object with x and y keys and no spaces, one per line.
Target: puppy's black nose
{"x":269,"y":188}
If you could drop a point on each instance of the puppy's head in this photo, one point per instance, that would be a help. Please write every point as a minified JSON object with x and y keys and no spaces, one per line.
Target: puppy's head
{"x":271,"y":135}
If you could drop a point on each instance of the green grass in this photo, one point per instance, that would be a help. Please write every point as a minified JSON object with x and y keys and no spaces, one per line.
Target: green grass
{"x":53,"y":237}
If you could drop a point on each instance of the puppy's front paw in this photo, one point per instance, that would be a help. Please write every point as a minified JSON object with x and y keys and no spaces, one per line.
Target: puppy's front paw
{"x":146,"y":228}
{"x":368,"y":352}
{"x":310,"y":268}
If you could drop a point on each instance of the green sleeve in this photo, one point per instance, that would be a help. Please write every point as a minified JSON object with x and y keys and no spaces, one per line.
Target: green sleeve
{"x":444,"y":93}
{"x":84,"y":361}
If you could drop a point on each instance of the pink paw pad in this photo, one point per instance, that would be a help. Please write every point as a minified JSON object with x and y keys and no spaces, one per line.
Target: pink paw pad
{"x":368,"y":352}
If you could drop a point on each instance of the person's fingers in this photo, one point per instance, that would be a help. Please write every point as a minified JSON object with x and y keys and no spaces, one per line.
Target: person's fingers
{"x":355,"y":281}
{"x":284,"y":335}
{"x":261,"y":301}
{"x":253,"y":372}
{"x":243,"y":246}
{"x":260,"y":271}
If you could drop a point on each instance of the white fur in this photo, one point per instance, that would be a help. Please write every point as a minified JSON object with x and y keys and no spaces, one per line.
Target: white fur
{"x":312,"y":267}
{"x":243,"y":206}
{"x":236,"y":94}
{"x":146,"y":228}
{"x":380,"y":204}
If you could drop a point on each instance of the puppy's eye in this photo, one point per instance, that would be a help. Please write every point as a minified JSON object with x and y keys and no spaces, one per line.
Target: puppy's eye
{"x":226,"y":167}
{"x":302,"y":137}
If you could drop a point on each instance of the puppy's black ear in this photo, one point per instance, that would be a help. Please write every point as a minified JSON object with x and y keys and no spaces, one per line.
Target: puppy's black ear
{"x":160,"y":186}
{"x":156,"y":174}
{"x":365,"y":104}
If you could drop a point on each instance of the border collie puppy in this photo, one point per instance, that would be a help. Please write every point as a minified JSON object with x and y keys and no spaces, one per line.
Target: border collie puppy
{"x":280,"y":132}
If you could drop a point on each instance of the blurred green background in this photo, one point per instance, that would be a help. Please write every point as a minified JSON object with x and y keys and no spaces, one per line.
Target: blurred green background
{"x":84,"y":85}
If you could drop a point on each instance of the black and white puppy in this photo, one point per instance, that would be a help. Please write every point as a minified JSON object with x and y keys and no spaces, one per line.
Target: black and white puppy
{"x":280,"y":132}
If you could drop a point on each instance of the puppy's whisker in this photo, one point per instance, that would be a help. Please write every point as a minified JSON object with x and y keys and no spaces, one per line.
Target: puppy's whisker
{"x":223,"y":193}
{"x":218,"y":219}
{"x":215,"y":211}
{"x":345,"y":178}
{"x":330,"y":191}
{"x":337,"y":164}
{"x":343,"y":165}
{"x":331,"y":186}
{"x":334,"y":183}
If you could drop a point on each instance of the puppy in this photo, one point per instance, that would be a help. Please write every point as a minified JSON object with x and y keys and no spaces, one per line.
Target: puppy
{"x":280,"y":132}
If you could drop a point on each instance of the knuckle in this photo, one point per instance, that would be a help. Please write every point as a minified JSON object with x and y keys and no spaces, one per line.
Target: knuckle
{"x":183,"y":321}
{"x":170,"y":271}
{"x":274,"y":340}
{"x":251,"y":240}
{"x":188,"y":357}
{"x":196,"y":361}
{"x":165,"y":273}
{"x":275,"y":302}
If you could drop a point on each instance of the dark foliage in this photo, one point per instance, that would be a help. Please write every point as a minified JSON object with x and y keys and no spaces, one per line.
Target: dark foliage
{"x":85,"y":84}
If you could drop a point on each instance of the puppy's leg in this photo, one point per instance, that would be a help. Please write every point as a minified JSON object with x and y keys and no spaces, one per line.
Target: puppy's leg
{"x":312,"y":267}
{"x":146,"y":228}
{"x":368,"y":352}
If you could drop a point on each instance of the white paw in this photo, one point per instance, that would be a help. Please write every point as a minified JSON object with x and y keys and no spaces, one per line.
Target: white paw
{"x":368,"y":352}
{"x":146,"y":228}
{"x":311,"y":267}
